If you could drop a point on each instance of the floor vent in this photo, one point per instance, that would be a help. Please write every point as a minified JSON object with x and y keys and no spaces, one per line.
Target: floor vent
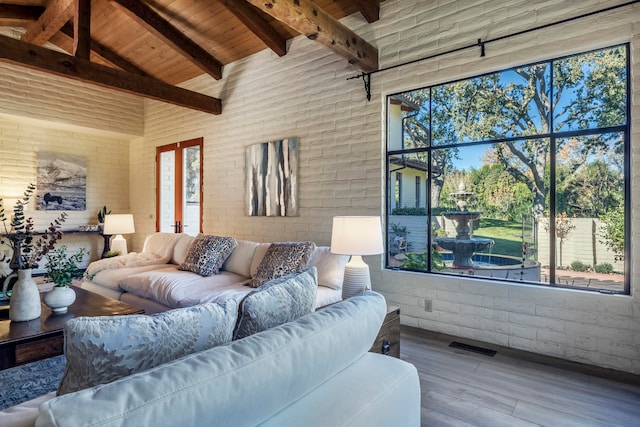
{"x":473,"y":348}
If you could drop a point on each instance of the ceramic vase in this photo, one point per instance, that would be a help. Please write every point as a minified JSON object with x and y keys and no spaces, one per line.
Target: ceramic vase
{"x":24,"y":302}
{"x":60,"y":298}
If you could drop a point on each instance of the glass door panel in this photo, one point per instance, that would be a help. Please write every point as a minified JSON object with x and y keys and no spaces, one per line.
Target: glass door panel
{"x":179,"y":187}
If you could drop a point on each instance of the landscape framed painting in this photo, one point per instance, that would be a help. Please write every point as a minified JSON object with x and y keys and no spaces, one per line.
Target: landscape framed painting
{"x":61,"y":182}
{"x":272,"y":178}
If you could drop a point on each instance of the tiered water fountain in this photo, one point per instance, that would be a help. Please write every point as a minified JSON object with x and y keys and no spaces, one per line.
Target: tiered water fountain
{"x":464,"y":257}
{"x":463,"y":246}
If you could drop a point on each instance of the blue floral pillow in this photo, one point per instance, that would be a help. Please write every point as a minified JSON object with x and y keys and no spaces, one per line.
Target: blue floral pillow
{"x":280,"y":301}
{"x":102,"y":349}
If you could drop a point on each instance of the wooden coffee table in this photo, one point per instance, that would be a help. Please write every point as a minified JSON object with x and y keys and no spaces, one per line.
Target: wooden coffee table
{"x":23,"y":342}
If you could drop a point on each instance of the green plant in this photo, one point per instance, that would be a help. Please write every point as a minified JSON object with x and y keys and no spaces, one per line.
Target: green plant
{"x":102,"y":213}
{"x":604,"y":268}
{"x":20,"y":234}
{"x":409,"y":211}
{"x":111,"y":254}
{"x":613,"y":231}
{"x":63,"y":268}
{"x":579,"y":266}
{"x":415,"y":261}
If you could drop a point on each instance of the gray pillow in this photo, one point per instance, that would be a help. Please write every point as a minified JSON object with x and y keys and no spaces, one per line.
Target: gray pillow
{"x":104,"y":348}
{"x":280,"y":301}
{"x":207,"y":254}
{"x":282,"y":259}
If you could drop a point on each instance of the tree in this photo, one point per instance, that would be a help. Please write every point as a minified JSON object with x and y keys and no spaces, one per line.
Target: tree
{"x":588,"y":91}
{"x":613,"y":231}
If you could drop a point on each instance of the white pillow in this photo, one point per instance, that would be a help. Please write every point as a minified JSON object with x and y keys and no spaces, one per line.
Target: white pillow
{"x":239,"y":262}
{"x":161,"y":244}
{"x":181,"y":249}
{"x":330,"y":267}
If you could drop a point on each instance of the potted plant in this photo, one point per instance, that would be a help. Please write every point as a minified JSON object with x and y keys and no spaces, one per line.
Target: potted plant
{"x":61,"y":270}
{"x":102,"y":213}
{"x":24,"y":303}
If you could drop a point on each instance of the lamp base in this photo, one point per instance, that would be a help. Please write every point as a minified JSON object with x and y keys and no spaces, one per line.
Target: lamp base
{"x":119,"y":244}
{"x":356,"y":277}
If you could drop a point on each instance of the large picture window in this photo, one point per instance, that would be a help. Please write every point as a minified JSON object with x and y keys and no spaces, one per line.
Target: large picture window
{"x":527,"y":174}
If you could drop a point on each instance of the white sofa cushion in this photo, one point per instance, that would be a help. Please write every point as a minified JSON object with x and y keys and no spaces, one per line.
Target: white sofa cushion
{"x":239,"y":262}
{"x":330,"y":267}
{"x":176,"y":288}
{"x":241,"y":383}
{"x":105,"y":348}
{"x":279,"y":301}
{"x":181,"y":249}
{"x":161,"y":244}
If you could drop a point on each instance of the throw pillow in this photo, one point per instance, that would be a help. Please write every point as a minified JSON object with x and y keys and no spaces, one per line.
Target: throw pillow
{"x":282,"y":259}
{"x":279,"y":301}
{"x":207,"y":254}
{"x":102,"y":349}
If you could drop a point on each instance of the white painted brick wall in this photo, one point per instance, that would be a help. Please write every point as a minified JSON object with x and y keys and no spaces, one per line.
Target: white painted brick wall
{"x":107,"y":158}
{"x":32,"y":94}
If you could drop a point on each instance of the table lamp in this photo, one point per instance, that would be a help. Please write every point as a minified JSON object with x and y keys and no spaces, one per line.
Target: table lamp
{"x":356,"y":236}
{"x":118,"y":224}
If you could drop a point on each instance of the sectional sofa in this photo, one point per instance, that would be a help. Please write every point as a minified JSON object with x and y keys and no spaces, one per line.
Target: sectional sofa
{"x":153,"y":279}
{"x":312,"y":371}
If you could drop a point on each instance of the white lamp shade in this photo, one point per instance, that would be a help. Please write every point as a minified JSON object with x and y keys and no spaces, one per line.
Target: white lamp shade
{"x":118,"y":224}
{"x":356,"y":235}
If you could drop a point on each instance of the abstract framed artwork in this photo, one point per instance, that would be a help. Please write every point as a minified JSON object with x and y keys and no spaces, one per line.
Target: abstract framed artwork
{"x":272,"y":178}
{"x":61,"y":182}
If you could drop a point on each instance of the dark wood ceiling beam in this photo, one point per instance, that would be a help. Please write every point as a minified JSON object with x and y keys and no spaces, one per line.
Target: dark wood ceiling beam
{"x":15,"y":15}
{"x":49,"y":61}
{"x":370,"y":9}
{"x":254,"y":21}
{"x":307,"y":18}
{"x":82,"y":29}
{"x":58,"y":13}
{"x":107,"y":54}
{"x":162,"y":29}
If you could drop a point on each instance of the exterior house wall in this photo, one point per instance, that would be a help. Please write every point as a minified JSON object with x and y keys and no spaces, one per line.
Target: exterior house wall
{"x":306,"y":94}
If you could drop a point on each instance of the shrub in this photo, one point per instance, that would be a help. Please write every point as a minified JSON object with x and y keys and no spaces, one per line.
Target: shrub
{"x":409,"y":211}
{"x":605,"y":268}
{"x":579,"y":266}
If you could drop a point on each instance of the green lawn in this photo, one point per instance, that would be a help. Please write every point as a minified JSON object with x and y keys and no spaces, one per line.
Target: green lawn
{"x":505,"y":234}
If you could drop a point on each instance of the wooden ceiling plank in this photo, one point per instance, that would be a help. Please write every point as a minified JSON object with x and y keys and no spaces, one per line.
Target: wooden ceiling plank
{"x":162,"y":29}
{"x":49,"y":61}
{"x":58,"y":13}
{"x":253,"y":20}
{"x":370,"y":9}
{"x":107,"y":54}
{"x":307,"y":18}
{"x":82,"y":29}
{"x":15,"y":14}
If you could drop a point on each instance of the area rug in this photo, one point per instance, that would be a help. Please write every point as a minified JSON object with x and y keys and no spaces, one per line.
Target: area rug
{"x":26,"y":382}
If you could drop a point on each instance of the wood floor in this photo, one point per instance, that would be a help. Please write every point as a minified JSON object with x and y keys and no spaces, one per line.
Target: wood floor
{"x":514,"y":388}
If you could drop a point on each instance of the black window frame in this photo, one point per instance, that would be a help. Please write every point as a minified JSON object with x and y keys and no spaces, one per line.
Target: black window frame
{"x":552,"y":136}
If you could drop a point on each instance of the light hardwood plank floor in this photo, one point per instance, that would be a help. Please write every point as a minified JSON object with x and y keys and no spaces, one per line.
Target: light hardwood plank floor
{"x":515,"y":388}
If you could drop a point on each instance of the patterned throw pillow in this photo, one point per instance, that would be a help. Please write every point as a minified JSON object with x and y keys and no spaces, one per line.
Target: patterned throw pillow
{"x":102,"y":349}
{"x":280,"y":301}
{"x":207,"y":254}
{"x":282,"y":259}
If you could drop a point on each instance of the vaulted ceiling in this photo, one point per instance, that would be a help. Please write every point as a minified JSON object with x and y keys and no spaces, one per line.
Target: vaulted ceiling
{"x":147,"y":47}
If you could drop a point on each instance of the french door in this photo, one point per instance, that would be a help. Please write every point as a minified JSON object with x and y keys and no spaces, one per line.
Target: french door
{"x":179,"y":187}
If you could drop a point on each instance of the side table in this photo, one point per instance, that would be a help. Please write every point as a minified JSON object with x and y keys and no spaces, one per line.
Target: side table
{"x":388,"y":339}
